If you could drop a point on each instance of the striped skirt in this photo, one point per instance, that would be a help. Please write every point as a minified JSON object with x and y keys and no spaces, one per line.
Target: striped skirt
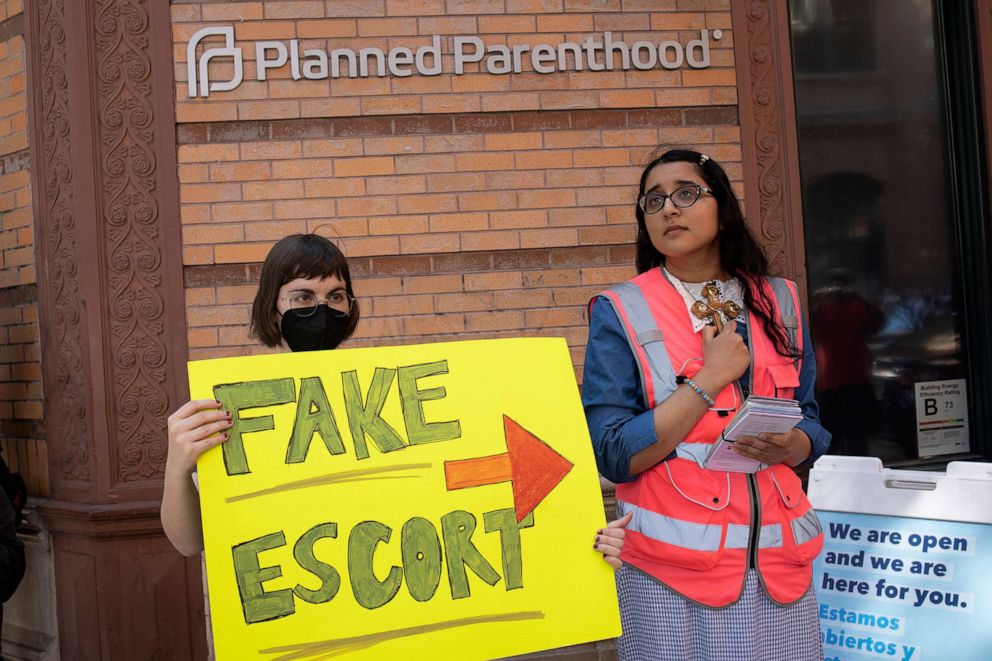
{"x":659,"y":625}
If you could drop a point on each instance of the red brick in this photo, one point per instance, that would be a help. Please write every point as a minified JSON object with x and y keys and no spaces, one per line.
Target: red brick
{"x":574,"y":178}
{"x":564,"y":23}
{"x":381,"y":245}
{"x":211,"y":234}
{"x":334,"y":187}
{"x":454,"y":143}
{"x":400,"y":265}
{"x":431,"y":203}
{"x":403,"y":305}
{"x":272,"y":190}
{"x":423,"y":243}
{"x":509,"y":141}
{"x":451,"y":103}
{"x":396,"y":185}
{"x":455,"y":182}
{"x":207,"y":153}
{"x":271,"y":150}
{"x":394,"y":145}
{"x":617,"y":195}
{"x":485,"y":123}
{"x":494,"y":321}
{"x":517,"y":219}
{"x":544,"y":159}
{"x":395,"y":224}
{"x":605,"y":275}
{"x":491,"y":240}
{"x":568,"y":139}
{"x":209,"y":193}
{"x":333,"y":147}
{"x":571,"y":216}
{"x":366,"y":206}
{"x":608,"y":234}
{"x":559,"y":316}
{"x":430,"y":284}
{"x":467,"y":302}
{"x":487,"y":200}
{"x":505,"y":24}
{"x":414,"y":7}
{"x":371,"y":286}
{"x":376,"y":27}
{"x":475,"y":7}
{"x":459,"y":222}
{"x":434,"y":324}
{"x":295,"y":9}
{"x":484,"y":161}
{"x":433,"y":163}
{"x":546,"y":198}
{"x":238,"y":211}
{"x":327,"y":28}
{"x":240,"y":171}
{"x":354,"y":167}
{"x":543,"y":238}
{"x":515,"y":180}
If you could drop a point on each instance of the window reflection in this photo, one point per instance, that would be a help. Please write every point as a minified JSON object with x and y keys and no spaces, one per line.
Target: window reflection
{"x":880,"y":240}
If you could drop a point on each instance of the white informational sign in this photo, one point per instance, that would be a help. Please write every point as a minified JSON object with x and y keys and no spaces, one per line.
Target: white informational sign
{"x":906,"y":568}
{"x":941,"y":417}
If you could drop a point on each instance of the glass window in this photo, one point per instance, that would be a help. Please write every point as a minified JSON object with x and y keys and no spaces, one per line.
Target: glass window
{"x":883,"y":265}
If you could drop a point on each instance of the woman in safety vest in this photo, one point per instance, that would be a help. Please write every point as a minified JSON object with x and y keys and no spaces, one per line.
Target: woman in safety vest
{"x":716,"y":564}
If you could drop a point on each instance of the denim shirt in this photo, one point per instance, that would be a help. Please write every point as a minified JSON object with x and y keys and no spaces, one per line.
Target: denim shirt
{"x":619,"y":424}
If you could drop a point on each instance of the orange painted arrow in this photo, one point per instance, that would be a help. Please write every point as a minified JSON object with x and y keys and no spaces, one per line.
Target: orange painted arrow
{"x":530,"y":464}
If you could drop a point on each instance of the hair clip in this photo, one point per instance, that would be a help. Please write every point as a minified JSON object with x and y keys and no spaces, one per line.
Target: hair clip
{"x":703,"y":158}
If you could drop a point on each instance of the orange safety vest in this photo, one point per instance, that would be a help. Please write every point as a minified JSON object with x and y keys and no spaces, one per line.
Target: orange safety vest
{"x":687,"y":519}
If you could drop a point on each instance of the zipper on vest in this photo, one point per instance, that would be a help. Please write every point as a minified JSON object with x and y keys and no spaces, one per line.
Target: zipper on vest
{"x":752,"y":538}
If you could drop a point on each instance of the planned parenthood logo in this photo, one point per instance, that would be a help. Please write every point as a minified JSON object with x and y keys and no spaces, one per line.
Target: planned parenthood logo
{"x":196,"y":73}
{"x":595,"y":53}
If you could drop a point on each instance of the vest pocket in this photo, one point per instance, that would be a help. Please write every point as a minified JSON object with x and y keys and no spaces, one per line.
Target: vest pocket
{"x":784,"y":376}
{"x":686,"y":525}
{"x":802,"y":535}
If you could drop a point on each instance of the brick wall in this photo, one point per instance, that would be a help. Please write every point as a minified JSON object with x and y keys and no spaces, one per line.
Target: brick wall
{"x":21,"y":431}
{"x":470,"y":206}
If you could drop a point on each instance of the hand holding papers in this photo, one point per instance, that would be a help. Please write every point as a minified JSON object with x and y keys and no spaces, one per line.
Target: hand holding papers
{"x":758,"y":415}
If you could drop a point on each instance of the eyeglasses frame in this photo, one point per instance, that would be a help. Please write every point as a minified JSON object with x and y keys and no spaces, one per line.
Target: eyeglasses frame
{"x":320,"y":301}
{"x":665,"y":198}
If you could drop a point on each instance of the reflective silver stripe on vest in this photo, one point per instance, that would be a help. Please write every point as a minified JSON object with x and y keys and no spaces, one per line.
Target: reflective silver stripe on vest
{"x":786,"y":308}
{"x":769,"y":537}
{"x":686,"y":534}
{"x":806,"y":527}
{"x":647,"y":334}
{"x":693,"y":451}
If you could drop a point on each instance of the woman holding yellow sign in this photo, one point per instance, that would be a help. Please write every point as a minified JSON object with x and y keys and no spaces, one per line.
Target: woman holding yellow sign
{"x":716,"y":564}
{"x":305,"y":302}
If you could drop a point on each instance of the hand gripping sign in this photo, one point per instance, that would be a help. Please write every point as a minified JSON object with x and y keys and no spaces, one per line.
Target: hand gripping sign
{"x":432,"y":501}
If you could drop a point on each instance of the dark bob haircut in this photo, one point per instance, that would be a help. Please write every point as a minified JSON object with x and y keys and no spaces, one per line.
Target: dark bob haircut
{"x":740,"y":255}
{"x":292,"y":257}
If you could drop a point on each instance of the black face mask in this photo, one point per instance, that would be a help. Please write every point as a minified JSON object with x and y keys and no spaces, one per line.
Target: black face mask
{"x":324,"y":329}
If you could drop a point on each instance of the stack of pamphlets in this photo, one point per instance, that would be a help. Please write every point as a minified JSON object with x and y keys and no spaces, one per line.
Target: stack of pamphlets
{"x":758,"y":415}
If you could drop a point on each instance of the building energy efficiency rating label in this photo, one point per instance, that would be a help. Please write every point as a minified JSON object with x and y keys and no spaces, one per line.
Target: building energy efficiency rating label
{"x":941,"y":417}
{"x":905,"y":589}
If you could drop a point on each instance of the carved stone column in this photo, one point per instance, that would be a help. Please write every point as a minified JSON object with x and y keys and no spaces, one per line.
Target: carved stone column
{"x":763,"y":55}
{"x":112,"y":323}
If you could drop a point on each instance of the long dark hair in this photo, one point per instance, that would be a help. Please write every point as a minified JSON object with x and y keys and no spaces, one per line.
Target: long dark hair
{"x":740,"y":254}
{"x":297,"y":256}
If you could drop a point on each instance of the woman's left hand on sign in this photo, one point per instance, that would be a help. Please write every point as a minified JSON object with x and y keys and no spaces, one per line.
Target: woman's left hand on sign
{"x":791,"y":448}
{"x":609,"y":540}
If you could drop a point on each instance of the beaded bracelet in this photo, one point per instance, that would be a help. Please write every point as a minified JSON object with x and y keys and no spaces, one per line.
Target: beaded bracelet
{"x":699,"y":391}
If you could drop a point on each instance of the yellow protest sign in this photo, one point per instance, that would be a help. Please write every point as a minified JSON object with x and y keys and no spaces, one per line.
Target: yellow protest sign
{"x":432,"y":501}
